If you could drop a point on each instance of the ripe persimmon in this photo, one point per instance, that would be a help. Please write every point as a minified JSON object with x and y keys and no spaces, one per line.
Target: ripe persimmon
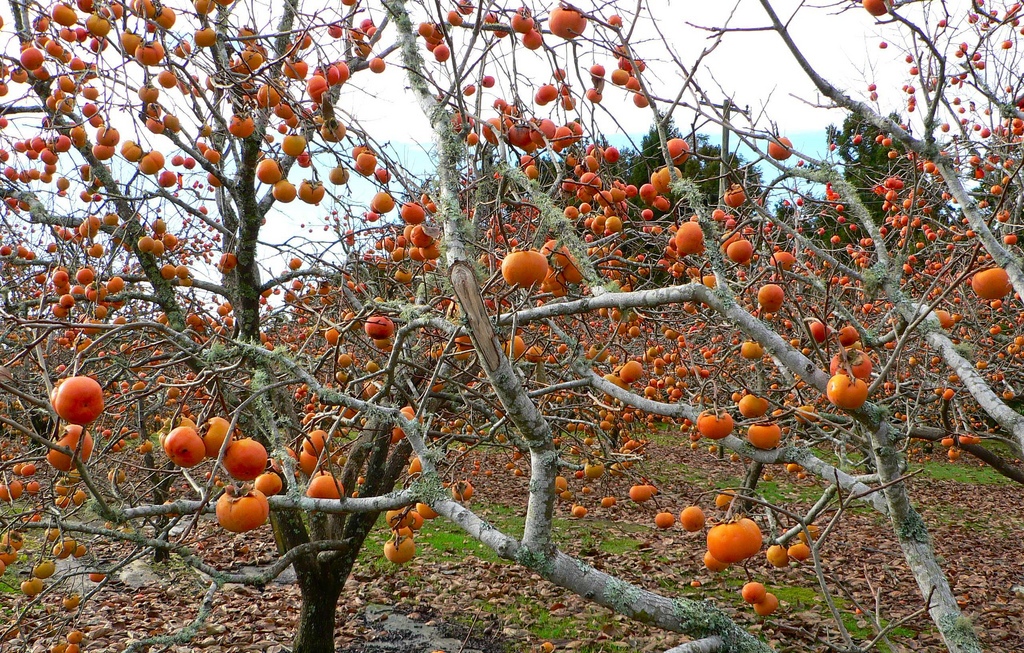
{"x":268,"y":171}
{"x":426,"y":511}
{"x":735,"y":196}
{"x":799,"y":551}
{"x":239,"y":513}
{"x":858,"y":363}
{"x":689,"y":238}
{"x":678,"y":150}
{"x":379,"y":327}
{"x":767,"y":605}
{"x":664,"y":520}
{"x":400,"y":550}
{"x":770,"y":297}
{"x":325,"y":486}
{"x":692,"y":519}
{"x":715,"y":427}
{"x":382,"y":202}
{"x":269,"y":483}
{"x":751,"y":350}
{"x":284,"y":191}
{"x":216,"y":432}
{"x":993,"y":283}
{"x":764,"y":435}
{"x":876,"y":7}
{"x":412,"y":213}
{"x":845,"y":392}
{"x":734,"y":541}
{"x":566,"y":22}
{"x":753,"y":406}
{"x":78,"y":440}
{"x":780,"y":149}
{"x":714,"y":564}
{"x":245,"y":459}
{"x":184,"y":447}
{"x":641,"y":493}
{"x":753,"y":592}
{"x":78,"y":399}
{"x":631,"y":372}
{"x":462,"y":491}
{"x":739,"y":251}
{"x":524,"y":269}
{"x":293,"y":145}
{"x":777,"y":555}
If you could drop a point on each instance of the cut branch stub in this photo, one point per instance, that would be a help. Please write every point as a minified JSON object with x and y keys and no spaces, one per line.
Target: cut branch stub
{"x":480,"y":328}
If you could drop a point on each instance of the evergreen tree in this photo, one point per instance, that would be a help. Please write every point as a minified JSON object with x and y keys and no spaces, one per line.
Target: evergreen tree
{"x":865,"y":159}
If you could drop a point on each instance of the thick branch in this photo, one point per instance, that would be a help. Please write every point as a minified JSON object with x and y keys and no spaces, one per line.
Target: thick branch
{"x":991,"y":459}
{"x":699,"y":619}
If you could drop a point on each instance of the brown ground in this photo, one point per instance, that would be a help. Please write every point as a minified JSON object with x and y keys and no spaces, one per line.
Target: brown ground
{"x":977,"y":523}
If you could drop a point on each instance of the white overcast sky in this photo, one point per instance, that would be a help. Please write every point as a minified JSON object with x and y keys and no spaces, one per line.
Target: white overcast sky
{"x":753,"y":68}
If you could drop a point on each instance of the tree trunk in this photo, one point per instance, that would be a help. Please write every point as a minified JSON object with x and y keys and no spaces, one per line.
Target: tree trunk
{"x":161,"y":484}
{"x":750,"y":482}
{"x":315,"y":630}
{"x":322,"y":576}
{"x":956,"y":630}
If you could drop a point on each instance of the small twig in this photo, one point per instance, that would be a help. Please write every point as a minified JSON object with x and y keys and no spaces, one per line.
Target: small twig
{"x":471,"y":626}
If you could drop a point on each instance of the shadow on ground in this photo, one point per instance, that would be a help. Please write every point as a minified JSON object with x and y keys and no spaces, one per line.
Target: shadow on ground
{"x":422,"y":631}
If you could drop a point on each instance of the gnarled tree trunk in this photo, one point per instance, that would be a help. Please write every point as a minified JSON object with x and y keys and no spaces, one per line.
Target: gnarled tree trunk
{"x":320,"y":591}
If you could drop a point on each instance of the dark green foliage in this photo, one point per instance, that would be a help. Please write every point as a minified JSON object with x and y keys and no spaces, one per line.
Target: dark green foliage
{"x":866,"y":162}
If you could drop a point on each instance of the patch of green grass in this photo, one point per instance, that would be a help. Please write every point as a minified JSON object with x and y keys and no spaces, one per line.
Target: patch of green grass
{"x":864,"y":633}
{"x":685,"y":472}
{"x":449,"y":541}
{"x":807,"y":598}
{"x":526,"y":612}
{"x":785,"y":491}
{"x":1009,"y":526}
{"x":508,"y":519}
{"x":665,"y":436}
{"x":671,"y":585}
{"x":960,"y":472}
{"x":780,"y":492}
{"x":826,"y":455}
{"x":437,"y":541}
{"x":797,"y":597}
{"x":941,"y":470}
{"x":591,"y":533}
{"x":728,"y":482}
{"x":618,"y":545}
{"x":548,"y":627}
{"x":496,"y":510}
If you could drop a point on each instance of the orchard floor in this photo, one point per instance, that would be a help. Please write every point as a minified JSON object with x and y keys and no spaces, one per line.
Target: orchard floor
{"x":456,"y":594}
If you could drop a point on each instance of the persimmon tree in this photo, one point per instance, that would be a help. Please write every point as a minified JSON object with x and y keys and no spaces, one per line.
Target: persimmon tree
{"x":227,"y":296}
